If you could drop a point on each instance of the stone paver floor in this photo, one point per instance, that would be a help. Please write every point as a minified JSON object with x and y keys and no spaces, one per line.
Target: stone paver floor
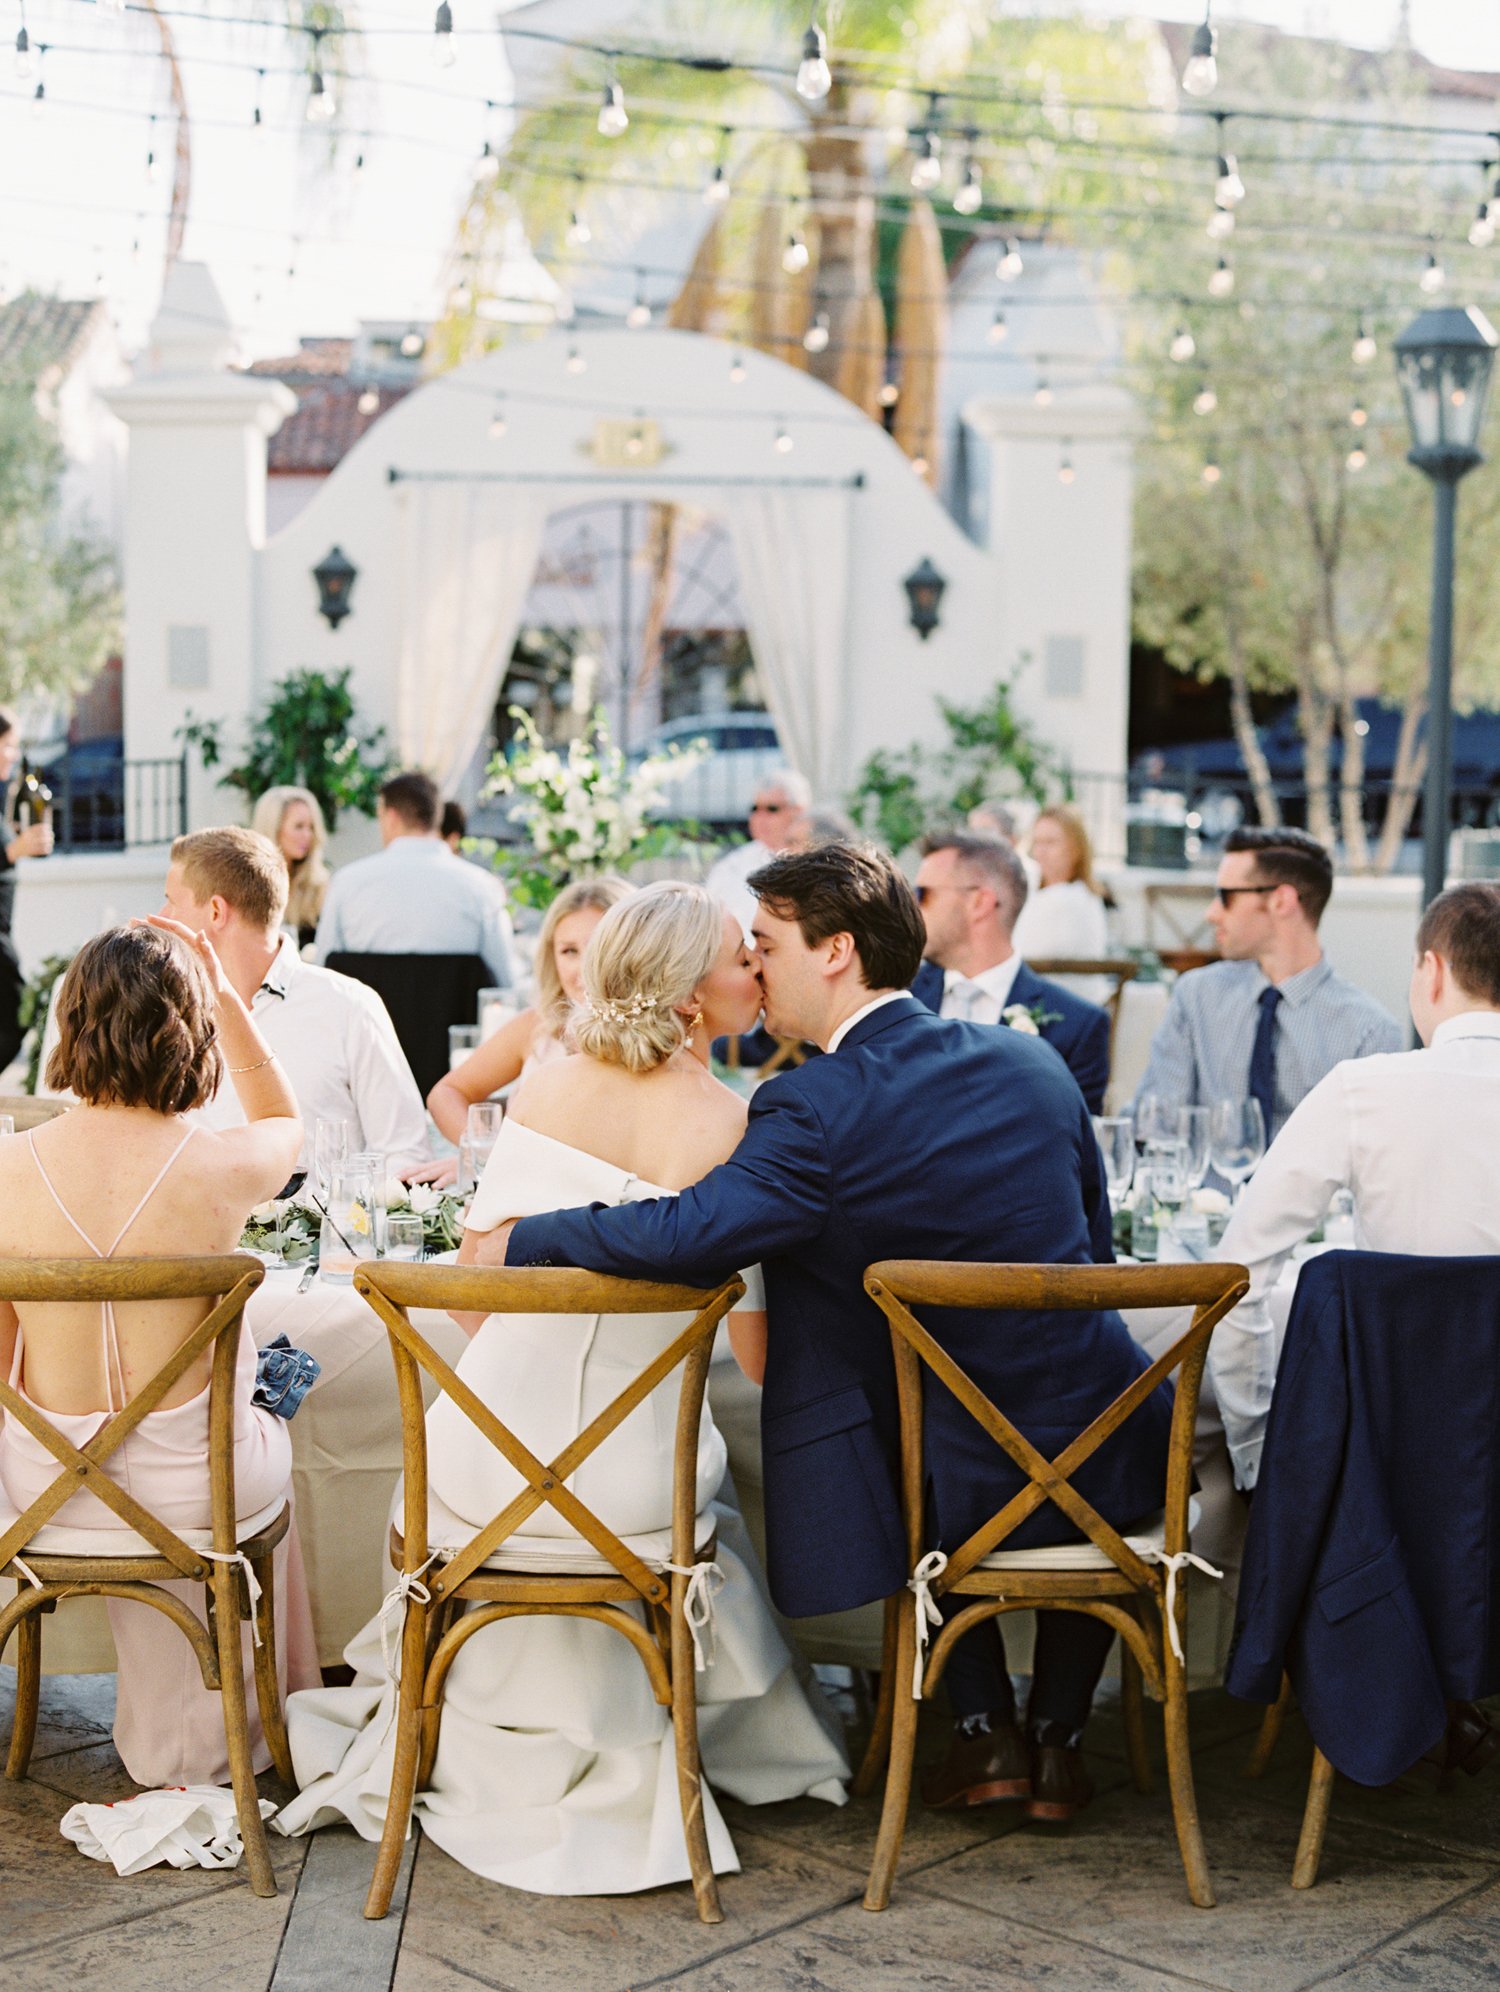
{"x":1408,"y":1901}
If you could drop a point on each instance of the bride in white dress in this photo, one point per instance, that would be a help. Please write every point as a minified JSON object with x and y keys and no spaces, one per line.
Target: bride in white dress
{"x":555,"y":1769}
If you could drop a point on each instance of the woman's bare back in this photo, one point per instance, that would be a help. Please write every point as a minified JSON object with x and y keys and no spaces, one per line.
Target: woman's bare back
{"x":668,"y":1126}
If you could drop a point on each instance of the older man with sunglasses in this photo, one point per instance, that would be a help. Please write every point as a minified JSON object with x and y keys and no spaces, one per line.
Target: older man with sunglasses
{"x":777,"y":817}
{"x":1272,"y":1018}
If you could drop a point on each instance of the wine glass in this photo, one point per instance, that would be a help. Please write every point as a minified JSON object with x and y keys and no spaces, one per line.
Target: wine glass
{"x":1194,"y":1130}
{"x":482,"y":1131}
{"x":1116,"y":1137}
{"x":330,"y":1151}
{"x":1237,"y":1139}
{"x":1155,"y":1119}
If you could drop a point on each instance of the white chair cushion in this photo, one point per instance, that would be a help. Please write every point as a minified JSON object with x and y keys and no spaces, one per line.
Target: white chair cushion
{"x":1086,"y":1555}
{"x":560,"y":1555}
{"x":52,"y":1540}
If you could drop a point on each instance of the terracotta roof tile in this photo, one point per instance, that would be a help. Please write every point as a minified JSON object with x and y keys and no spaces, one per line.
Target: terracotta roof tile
{"x":326,"y":426}
{"x":318,"y":358}
{"x":37,"y":332}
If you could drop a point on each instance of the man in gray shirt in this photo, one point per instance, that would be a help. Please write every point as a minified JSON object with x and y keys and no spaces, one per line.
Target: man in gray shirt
{"x":415,"y":896}
{"x":1271,"y":1019}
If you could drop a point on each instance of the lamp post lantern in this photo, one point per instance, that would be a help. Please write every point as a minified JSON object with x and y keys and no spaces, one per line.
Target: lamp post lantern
{"x":1443,"y":362}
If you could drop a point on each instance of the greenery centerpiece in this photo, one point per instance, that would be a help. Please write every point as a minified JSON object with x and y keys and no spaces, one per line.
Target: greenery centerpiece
{"x":584,"y":808}
{"x":293,"y":1225}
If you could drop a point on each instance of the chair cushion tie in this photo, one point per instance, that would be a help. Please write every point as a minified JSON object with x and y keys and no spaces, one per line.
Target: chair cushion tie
{"x":252,"y":1582}
{"x":1178,"y":1560}
{"x":933,"y":1564}
{"x":705,"y":1581}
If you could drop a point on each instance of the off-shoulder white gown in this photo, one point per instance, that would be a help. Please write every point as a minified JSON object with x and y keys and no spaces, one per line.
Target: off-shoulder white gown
{"x":555,"y":1771}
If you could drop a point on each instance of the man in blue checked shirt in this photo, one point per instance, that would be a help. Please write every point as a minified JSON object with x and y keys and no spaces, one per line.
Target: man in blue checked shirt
{"x":1271,"y":1019}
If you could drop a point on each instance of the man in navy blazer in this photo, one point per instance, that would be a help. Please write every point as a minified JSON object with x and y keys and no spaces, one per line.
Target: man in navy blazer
{"x":971,"y":890}
{"x":915,"y":1138}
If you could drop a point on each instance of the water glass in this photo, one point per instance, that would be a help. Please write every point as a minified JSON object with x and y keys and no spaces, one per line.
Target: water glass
{"x":468,"y":1175}
{"x":331,"y":1140}
{"x":1167,"y":1163}
{"x":462,"y":1039}
{"x":7,"y":1124}
{"x":403,"y":1235}
{"x":1237,"y":1139}
{"x":482,"y":1130}
{"x":495,"y":1009}
{"x":348,"y":1224}
{"x":1116,"y":1137}
{"x":374,"y":1161}
{"x":1194,"y":1130}
{"x":1143,"y":1225}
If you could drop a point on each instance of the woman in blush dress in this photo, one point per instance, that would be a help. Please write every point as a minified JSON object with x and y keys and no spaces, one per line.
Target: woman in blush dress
{"x":148,"y":1024}
{"x":1065,"y":918}
{"x":555,"y":1769}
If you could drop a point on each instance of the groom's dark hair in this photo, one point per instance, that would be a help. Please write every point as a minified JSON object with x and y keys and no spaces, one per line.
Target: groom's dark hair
{"x":849,"y":889}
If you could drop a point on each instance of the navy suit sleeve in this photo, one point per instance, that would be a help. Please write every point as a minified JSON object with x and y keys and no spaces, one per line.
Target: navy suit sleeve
{"x":771,"y":1195}
{"x":1089,"y":1057}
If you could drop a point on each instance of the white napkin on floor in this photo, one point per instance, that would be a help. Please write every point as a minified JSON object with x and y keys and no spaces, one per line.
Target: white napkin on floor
{"x":185,"y":1826}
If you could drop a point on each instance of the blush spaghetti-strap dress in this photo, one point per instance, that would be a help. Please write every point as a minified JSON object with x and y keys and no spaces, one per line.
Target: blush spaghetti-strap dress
{"x":169,"y":1729}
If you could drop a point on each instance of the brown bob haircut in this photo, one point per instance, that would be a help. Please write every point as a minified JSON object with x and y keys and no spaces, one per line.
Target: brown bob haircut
{"x":1463,"y":926}
{"x":1289,"y":857}
{"x":239,"y":866}
{"x":849,"y":889}
{"x":136,"y":1025}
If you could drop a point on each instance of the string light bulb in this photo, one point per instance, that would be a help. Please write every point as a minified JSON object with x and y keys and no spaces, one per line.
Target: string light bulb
{"x":1433,"y":276}
{"x":1010,"y":265}
{"x":38,"y":98}
{"x":1221,"y":283}
{"x":814,"y":77}
{"x":412,"y":341}
{"x":927,"y":167}
{"x":1229,"y":188}
{"x":783,"y":442}
{"x":635,"y":439}
{"x":1210,"y":472}
{"x":1364,"y":348}
{"x":614,"y":121}
{"x":444,"y":53}
{"x":795,"y":257}
{"x":716,"y":192}
{"x":25,"y":60}
{"x":1043,"y":395}
{"x":487,"y":169}
{"x":1220,"y":224}
{"x":999,"y":330}
{"x":815,"y":338}
{"x":1183,"y":346}
{"x":1482,"y":228}
{"x":575,"y":362}
{"x":1065,"y":470}
{"x":153,"y":164}
{"x":498,"y":422}
{"x":639,"y":315}
{"x":970,"y":196}
{"x":737,"y":368}
{"x":369,"y":401}
{"x":321,"y":105}
{"x":257,"y":122}
{"x":1205,"y":401}
{"x":920,"y":465}
{"x":579,"y":233}
{"x":1200,"y":73}
{"x":1356,"y":459}
{"x":359,"y":164}
{"x":1359,"y":415}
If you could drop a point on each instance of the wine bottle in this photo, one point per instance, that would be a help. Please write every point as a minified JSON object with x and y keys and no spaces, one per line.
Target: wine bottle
{"x":33,"y":802}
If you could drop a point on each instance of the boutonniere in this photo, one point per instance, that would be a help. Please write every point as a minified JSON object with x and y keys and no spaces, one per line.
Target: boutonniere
{"x":1029,"y":1019}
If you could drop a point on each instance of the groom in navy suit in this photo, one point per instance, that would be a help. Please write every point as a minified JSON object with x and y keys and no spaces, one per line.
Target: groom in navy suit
{"x":971,"y":890}
{"x":914,"y":1138}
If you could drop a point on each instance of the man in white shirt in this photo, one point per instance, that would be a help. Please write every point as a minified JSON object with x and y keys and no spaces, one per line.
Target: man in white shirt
{"x":414,"y":896}
{"x":334,"y":1039}
{"x":781,"y":803}
{"x":1414,"y":1135}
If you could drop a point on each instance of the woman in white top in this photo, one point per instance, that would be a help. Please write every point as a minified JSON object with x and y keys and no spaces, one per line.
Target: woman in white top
{"x":555,"y":1769}
{"x":1064,"y":919}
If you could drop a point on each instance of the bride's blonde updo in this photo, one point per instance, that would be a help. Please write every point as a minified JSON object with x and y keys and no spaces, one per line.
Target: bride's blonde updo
{"x":647,"y":955}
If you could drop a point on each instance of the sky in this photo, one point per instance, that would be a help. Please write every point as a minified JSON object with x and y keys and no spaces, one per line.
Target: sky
{"x":298,"y":240}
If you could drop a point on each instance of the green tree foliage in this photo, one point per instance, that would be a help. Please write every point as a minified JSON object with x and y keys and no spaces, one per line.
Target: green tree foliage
{"x":310,"y":735}
{"x":59,"y":600}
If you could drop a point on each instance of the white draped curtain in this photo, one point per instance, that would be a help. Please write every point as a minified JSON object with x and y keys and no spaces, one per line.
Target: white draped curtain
{"x":468,"y":554}
{"x":792,"y":548}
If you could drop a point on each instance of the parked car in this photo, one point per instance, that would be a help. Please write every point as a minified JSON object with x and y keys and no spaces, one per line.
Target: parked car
{"x":739,"y":750}
{"x":1211,"y":774}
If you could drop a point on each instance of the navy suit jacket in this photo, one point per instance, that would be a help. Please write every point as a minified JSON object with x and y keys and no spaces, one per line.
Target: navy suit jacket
{"x":1372,"y":1565}
{"x":1081,"y":1032}
{"x":917,"y":1139}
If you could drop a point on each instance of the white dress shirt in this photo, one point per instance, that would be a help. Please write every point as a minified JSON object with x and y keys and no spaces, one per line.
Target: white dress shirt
{"x":867,"y":1010}
{"x":727,"y":876}
{"x":1414,"y":1135}
{"x":339,"y":1050}
{"x":979,"y":999}
{"x":416,"y":897}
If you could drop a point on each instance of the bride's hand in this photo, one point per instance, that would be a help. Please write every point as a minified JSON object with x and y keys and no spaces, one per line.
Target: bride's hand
{"x":200,"y":944}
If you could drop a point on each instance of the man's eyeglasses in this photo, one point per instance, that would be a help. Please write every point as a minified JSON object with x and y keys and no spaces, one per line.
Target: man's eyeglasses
{"x":922,"y":893}
{"x":769,"y":808}
{"x":1227,"y":892}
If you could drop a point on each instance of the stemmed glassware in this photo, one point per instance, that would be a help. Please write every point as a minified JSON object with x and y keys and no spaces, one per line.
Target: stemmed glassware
{"x":1116,"y":1137}
{"x":1194,"y":1131}
{"x":330,"y":1152}
{"x":1237,"y":1139}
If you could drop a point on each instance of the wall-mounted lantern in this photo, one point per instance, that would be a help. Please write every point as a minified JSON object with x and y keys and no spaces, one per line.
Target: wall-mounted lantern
{"x":335,"y":575}
{"x":924,"y":590}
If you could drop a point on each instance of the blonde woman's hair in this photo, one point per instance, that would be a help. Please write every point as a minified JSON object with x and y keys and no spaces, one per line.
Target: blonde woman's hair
{"x":1071,"y":824}
{"x":583,"y":895}
{"x":309,"y":875}
{"x":648,"y":954}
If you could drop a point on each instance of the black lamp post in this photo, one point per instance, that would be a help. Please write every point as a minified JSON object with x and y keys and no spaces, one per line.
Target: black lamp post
{"x":335,"y":575}
{"x":924,"y":591}
{"x":1443,"y":361}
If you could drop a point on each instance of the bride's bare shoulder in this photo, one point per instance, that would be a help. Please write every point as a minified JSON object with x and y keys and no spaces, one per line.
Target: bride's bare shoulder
{"x":552,"y":1088}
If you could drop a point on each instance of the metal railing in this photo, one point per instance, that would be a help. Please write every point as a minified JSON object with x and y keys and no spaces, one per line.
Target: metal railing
{"x":117,"y":805}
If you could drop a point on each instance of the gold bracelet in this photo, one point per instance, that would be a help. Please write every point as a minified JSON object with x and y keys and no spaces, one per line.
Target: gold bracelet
{"x":235,"y":1070}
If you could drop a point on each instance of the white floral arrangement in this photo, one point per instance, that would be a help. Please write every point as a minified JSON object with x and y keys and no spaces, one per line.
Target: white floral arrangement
{"x":294,"y":1224}
{"x":1209,"y":1203}
{"x":585,"y":809}
{"x":441,"y":1212}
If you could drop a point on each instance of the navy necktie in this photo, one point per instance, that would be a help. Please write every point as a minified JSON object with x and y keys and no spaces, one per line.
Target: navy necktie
{"x":1262,"y":1084}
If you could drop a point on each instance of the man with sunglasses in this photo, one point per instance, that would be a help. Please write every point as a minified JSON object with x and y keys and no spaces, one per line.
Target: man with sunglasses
{"x":1271,"y":1019}
{"x":777,"y":815}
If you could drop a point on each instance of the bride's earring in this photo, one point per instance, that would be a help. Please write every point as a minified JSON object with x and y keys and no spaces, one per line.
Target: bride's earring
{"x":692,"y":1023}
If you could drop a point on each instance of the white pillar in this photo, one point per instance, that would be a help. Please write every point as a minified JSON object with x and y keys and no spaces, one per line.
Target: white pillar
{"x":1059,"y":532}
{"x":195,"y":516}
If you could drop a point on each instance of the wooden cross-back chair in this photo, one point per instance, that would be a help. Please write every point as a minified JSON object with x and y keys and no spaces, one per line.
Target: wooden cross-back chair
{"x":1126,"y":1582}
{"x":452,"y":1593}
{"x":51,"y":1562}
{"x":1119,"y":971}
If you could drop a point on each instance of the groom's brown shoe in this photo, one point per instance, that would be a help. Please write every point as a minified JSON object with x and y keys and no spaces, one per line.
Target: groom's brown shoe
{"x":1060,"y":1784}
{"x":980,"y":1770}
